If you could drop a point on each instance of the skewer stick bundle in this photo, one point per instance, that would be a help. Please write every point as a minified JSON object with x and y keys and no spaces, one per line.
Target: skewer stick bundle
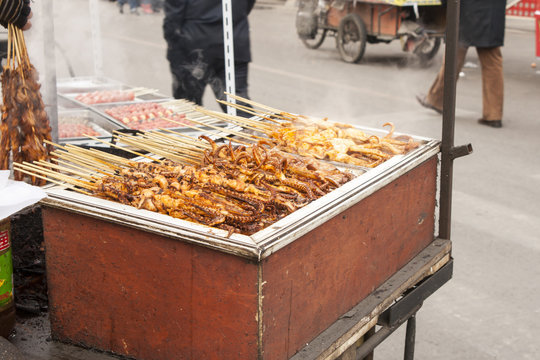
{"x":25,"y":124}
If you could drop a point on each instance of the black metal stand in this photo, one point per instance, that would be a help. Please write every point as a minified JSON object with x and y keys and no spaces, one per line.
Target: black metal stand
{"x":404,"y":310}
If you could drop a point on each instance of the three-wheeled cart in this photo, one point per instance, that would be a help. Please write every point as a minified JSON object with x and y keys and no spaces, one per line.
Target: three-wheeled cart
{"x":419,"y":25}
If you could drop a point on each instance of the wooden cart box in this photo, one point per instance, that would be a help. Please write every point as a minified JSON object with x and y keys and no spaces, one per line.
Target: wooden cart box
{"x":148,"y":286}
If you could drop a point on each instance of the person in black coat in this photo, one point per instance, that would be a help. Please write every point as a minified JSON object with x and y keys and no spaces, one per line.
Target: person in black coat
{"x":16,"y":12}
{"x":482,"y":24}
{"x":193,"y":30}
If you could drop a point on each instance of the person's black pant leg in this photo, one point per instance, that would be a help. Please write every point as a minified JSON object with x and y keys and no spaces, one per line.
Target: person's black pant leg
{"x":241,"y":84}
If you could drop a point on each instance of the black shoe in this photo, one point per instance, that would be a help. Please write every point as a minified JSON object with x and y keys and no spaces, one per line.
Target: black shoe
{"x":121,"y":8}
{"x":493,"y":123}
{"x":422,"y":100}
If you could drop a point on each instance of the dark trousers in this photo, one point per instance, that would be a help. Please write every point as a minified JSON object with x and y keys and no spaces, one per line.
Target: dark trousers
{"x":491,"y":63}
{"x":190,"y":80}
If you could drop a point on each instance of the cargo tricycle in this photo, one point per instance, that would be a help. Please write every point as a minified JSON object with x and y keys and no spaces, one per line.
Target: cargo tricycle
{"x":419,"y":25}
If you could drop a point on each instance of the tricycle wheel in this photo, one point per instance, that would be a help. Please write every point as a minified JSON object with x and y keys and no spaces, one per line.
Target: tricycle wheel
{"x":316,"y":41}
{"x":352,"y":37}
{"x":428,"y":49}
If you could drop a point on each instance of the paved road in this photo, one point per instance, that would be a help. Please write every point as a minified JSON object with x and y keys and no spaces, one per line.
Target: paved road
{"x":490,"y":309}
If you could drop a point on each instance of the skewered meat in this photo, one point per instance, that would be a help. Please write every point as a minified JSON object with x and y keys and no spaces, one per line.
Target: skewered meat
{"x":339,"y":142}
{"x":105,"y":96}
{"x":322,"y":139}
{"x":71,"y":130}
{"x":239,"y":189}
{"x":25,"y":124}
{"x":146,"y":116}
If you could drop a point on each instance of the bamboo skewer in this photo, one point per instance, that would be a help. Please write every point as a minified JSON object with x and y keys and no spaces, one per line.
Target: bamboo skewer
{"x":69,"y":186}
{"x":157,"y":150}
{"x":245,"y":123}
{"x":62,"y":168}
{"x":167,"y":142}
{"x":253,"y":103}
{"x":276,"y":112}
{"x":110,"y":158}
{"x":170,"y":140}
{"x":86,"y":161}
{"x":258,"y":126}
{"x":85,"y":155}
{"x":121,"y":148}
{"x":73,"y":165}
{"x":237,"y":133}
{"x":55,"y":175}
{"x":71,"y":160}
{"x":250,"y":110}
{"x":206,"y":145}
{"x":186,"y":142}
{"x":143,"y":91}
{"x":184,"y":124}
{"x":246,"y":136}
{"x":79,"y":150}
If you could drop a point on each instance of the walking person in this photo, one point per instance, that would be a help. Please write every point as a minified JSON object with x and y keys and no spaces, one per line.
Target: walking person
{"x":133,"y":5}
{"x":482,"y":24}
{"x":193,"y":30}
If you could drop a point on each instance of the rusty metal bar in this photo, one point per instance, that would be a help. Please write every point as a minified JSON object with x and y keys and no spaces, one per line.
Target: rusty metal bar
{"x":449,"y":113}
{"x":381,"y":14}
{"x":410,"y":338}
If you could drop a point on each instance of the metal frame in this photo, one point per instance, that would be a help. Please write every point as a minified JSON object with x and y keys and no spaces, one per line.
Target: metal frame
{"x":405,"y":310}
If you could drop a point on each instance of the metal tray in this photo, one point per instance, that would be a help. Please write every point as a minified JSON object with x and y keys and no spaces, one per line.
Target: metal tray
{"x":101,"y":108}
{"x":71,"y":98}
{"x":266,"y":241}
{"x":86,"y":117}
{"x":87,"y":84}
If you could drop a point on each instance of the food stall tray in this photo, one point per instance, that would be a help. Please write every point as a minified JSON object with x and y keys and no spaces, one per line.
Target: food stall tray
{"x":72,"y":98}
{"x":105,"y":111}
{"x":87,"y":84}
{"x":149,"y":286}
{"x":74,"y":124}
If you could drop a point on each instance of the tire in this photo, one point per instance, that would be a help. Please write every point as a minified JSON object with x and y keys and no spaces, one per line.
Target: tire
{"x":352,"y":38}
{"x":428,"y":51}
{"x":317,"y":41}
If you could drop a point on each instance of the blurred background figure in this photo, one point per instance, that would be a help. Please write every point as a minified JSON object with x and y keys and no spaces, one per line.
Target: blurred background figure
{"x":157,"y":5}
{"x":193,"y":30}
{"x":133,"y":5}
{"x":16,"y":12}
{"x":146,"y":6}
{"x":482,"y":24}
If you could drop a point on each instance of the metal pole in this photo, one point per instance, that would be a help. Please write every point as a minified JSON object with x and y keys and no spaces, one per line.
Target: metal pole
{"x":228,"y":47}
{"x":449,"y":112}
{"x":410,"y":338}
{"x":49,"y":83}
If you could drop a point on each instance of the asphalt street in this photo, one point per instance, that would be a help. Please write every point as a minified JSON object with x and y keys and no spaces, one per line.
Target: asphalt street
{"x":491,"y":308}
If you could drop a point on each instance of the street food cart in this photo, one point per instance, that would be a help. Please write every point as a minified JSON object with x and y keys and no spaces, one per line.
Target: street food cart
{"x":419,"y":25}
{"x":313,"y":285}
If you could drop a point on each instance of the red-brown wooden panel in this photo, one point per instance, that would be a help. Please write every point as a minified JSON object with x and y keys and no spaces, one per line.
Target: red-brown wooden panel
{"x":144,"y":295}
{"x":379,"y":19}
{"x":322,"y":275}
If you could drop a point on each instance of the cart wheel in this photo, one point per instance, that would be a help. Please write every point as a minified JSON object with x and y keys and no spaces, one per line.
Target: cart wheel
{"x":428,"y":49}
{"x":316,"y":41}
{"x":352,"y":37}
